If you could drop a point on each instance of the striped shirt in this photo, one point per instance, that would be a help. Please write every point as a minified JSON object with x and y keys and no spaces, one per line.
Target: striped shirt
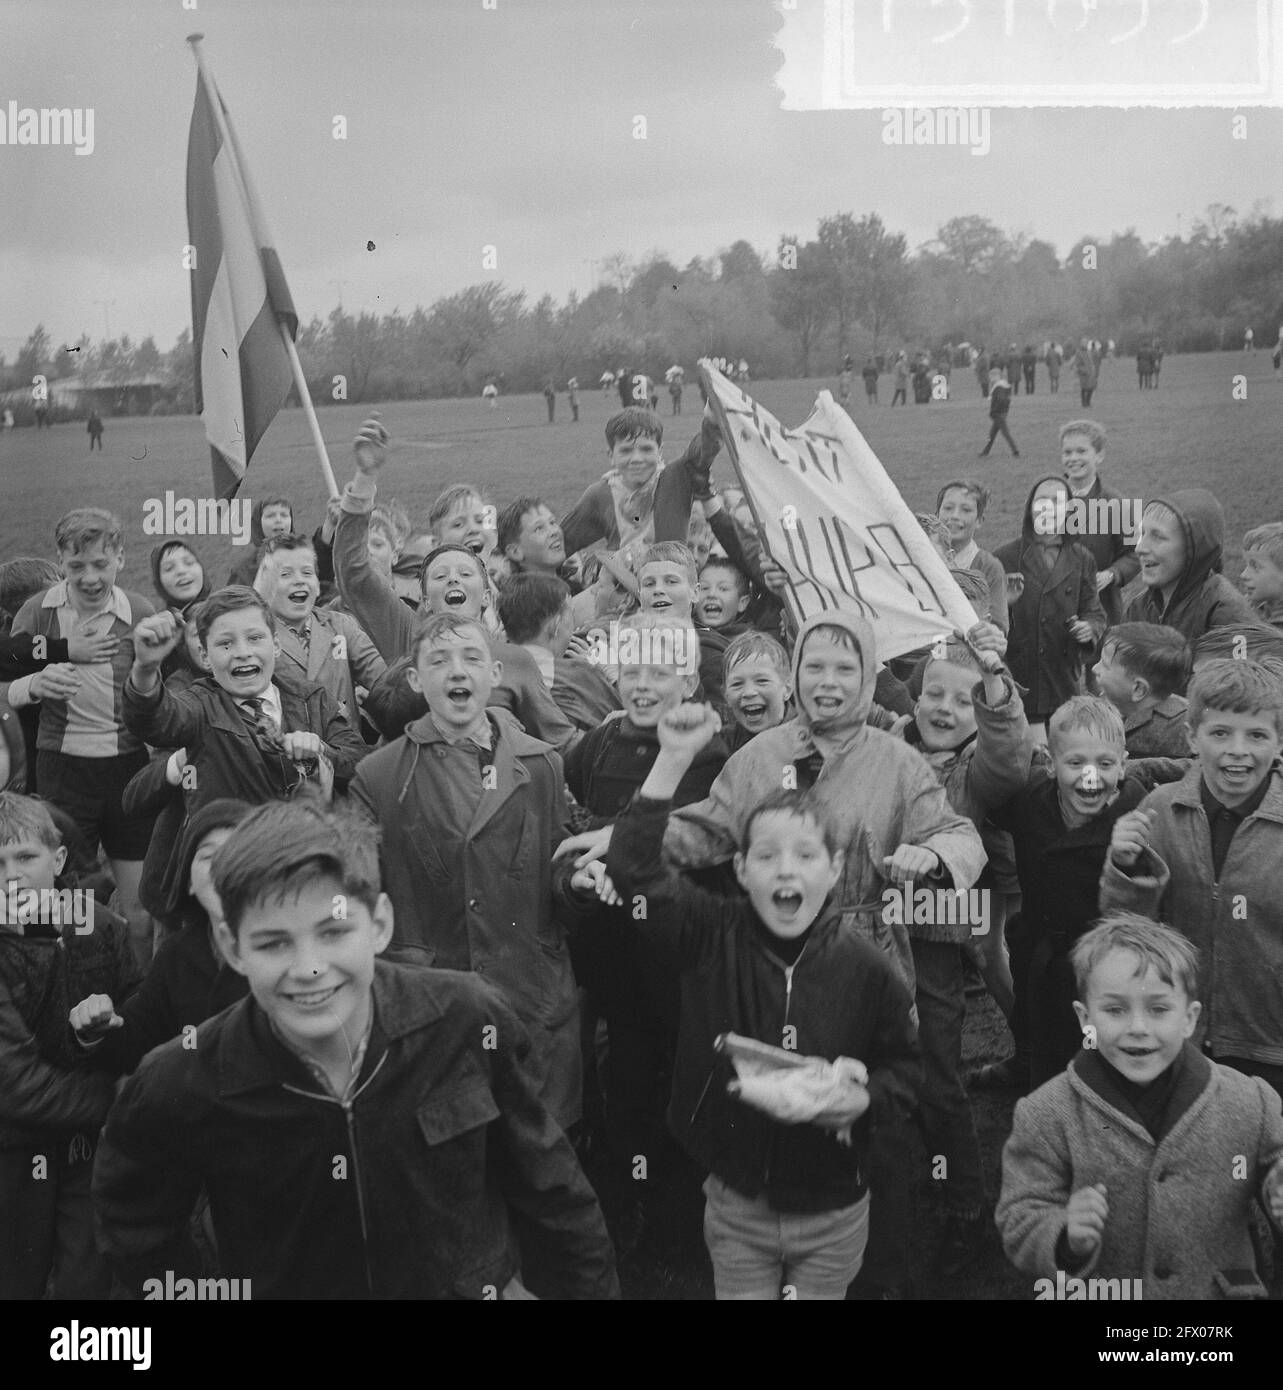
{"x":90,"y":724}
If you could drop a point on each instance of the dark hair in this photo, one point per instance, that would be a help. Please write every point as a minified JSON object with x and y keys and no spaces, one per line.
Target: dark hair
{"x":1155,"y":653}
{"x":633,"y":422}
{"x":721,"y":562}
{"x":231,"y":599}
{"x":23,"y":577}
{"x":512,"y":519}
{"x":967,"y":485}
{"x":275,"y":499}
{"x":527,"y":601}
{"x":802,"y":804}
{"x":439,"y":623}
{"x":281,"y":848}
{"x":1241,"y":641}
{"x":1235,"y":687}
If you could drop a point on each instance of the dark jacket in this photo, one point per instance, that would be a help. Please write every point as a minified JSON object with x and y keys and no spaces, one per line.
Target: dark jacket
{"x":245,"y":570}
{"x":1059,"y":868}
{"x":188,"y":980}
{"x":1111,"y":551}
{"x":614,"y":959}
{"x":1160,"y":732}
{"x":840,"y":998}
{"x":207,"y":721}
{"x":1043,"y":657}
{"x":49,"y":1089}
{"x":1203,"y":597}
{"x":446,"y":1153}
{"x":474,"y":890}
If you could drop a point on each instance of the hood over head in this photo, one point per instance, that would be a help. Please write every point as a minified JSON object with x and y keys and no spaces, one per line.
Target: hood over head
{"x":862,"y":635}
{"x":158,"y":553}
{"x":223,"y":812}
{"x":1202,"y":522}
{"x":1027,"y":532}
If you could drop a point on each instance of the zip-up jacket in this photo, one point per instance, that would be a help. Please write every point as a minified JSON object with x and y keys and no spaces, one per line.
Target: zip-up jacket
{"x":1236,"y":920}
{"x":415,"y":1187}
{"x":840,"y":998}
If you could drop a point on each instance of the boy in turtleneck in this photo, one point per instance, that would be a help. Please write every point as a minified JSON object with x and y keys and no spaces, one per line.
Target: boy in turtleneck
{"x":1141,"y":1160}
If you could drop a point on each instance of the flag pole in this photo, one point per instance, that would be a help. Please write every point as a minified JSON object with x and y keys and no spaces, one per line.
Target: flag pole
{"x":258,"y":222}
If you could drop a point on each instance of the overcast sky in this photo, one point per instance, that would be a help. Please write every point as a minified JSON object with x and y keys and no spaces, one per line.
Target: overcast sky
{"x":513,"y":127}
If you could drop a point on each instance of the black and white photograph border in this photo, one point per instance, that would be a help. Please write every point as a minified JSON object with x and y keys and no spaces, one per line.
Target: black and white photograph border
{"x":838,"y":247}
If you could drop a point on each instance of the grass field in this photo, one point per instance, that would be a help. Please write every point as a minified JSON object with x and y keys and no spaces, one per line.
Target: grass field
{"x":1189,"y":432}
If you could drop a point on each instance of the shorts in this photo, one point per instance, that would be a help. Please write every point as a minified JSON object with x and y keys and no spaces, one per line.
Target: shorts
{"x":90,"y":791}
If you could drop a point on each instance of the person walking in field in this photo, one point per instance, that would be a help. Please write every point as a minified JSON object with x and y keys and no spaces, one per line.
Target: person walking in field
{"x":999,"y":405}
{"x":95,"y":430}
{"x":1088,"y":371}
{"x":550,"y":397}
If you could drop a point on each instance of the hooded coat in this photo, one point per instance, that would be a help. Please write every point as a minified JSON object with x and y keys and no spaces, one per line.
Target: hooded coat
{"x":471,"y":889}
{"x":1044,"y":658}
{"x":1203,"y":597}
{"x":166,"y":599}
{"x":880,"y":792}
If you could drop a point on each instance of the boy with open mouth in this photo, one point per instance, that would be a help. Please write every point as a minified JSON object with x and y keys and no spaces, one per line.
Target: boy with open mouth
{"x":322,"y":645}
{"x":453,"y":580}
{"x":787,"y":1199}
{"x":471,"y":807}
{"x":250,"y":731}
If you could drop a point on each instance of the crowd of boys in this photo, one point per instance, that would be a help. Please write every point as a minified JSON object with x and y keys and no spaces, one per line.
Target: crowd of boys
{"x":399,"y":917}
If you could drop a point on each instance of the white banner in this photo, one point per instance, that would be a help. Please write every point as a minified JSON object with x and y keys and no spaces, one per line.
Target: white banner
{"x":830,"y":517}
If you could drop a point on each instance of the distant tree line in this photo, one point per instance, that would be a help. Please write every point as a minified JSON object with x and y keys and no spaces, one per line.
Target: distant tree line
{"x":854,"y":287}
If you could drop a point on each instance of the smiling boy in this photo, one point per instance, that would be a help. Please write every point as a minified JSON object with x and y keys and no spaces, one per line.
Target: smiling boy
{"x":961,"y":505}
{"x":315,"y":644}
{"x":87,"y":752}
{"x":250,"y":732}
{"x":756,"y":685}
{"x":1206,"y":854}
{"x":1143,"y":1159}
{"x":639,"y":499}
{"x":363,"y":1130}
